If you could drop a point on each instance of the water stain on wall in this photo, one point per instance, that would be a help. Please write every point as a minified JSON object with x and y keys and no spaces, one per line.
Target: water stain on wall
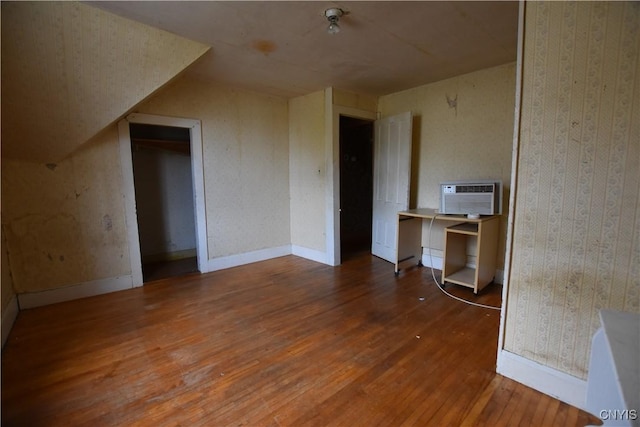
{"x":107,"y":223}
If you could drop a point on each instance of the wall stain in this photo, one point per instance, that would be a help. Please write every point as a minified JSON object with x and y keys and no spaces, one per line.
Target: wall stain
{"x":453,"y":102}
{"x":51,"y":166}
{"x":107,"y":223}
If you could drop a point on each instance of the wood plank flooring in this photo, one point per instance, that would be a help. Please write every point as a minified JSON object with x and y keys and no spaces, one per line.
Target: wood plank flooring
{"x":285,"y":342}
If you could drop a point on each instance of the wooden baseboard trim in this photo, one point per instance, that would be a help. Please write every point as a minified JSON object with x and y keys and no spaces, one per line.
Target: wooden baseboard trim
{"x":81,"y":290}
{"x":9,"y":316}
{"x":549,"y":381}
{"x":247,"y":258}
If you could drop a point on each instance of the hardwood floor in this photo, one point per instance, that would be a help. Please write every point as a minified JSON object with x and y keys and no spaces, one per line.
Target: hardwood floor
{"x":285,"y":342}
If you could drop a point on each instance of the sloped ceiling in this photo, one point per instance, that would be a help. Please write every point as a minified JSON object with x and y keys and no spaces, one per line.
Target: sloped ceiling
{"x":69,"y":70}
{"x":282,"y":48}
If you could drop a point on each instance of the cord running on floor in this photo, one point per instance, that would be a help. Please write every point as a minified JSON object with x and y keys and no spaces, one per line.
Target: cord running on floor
{"x":441,"y":286}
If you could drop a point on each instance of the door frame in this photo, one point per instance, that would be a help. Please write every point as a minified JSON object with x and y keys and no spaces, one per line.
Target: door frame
{"x":333,"y":192}
{"x":128,"y":187}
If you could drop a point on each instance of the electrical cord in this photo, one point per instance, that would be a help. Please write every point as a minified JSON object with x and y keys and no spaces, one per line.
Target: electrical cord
{"x":441,"y":286}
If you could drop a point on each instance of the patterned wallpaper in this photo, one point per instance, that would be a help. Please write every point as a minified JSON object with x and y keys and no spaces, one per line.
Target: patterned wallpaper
{"x":576,"y":233}
{"x":64,"y":222}
{"x":307,"y":171}
{"x":70,"y":69}
{"x":246,"y":162}
{"x":462,"y":130}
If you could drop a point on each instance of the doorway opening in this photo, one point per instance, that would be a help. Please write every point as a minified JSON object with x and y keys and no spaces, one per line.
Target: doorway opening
{"x":164,"y":194}
{"x":356,"y":140}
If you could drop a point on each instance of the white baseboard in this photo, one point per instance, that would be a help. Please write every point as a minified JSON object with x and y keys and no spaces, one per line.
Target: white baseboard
{"x":103,"y":286}
{"x":247,"y":258}
{"x":310,"y":254}
{"x":437,"y":261}
{"x":552,"y":382}
{"x":81,"y":290}
{"x":9,"y":316}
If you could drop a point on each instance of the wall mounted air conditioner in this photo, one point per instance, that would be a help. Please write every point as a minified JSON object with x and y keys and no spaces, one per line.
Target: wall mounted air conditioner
{"x":476,"y":197}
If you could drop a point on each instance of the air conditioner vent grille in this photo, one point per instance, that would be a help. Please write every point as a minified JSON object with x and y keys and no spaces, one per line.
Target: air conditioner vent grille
{"x":480,"y":197}
{"x":475,"y":188}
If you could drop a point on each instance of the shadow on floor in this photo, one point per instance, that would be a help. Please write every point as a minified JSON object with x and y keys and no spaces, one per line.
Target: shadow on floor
{"x":163,"y":269}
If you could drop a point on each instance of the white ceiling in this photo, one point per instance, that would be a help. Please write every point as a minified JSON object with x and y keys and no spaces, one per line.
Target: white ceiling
{"x":282,"y":48}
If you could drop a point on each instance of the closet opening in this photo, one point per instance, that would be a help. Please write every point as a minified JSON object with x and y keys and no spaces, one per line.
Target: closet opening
{"x":164,"y":196}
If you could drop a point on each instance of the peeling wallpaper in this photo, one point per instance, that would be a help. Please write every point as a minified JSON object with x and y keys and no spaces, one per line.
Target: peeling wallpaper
{"x":576,"y":236}
{"x":69,"y":70}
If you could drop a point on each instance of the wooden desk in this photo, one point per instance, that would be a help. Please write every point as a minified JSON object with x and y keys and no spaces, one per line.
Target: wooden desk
{"x":455,"y":269}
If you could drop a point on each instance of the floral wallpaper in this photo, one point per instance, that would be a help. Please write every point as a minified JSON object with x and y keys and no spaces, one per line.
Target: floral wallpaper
{"x":576,"y":228}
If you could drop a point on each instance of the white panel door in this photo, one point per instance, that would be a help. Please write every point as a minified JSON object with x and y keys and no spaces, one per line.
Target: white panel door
{"x":391,"y":180}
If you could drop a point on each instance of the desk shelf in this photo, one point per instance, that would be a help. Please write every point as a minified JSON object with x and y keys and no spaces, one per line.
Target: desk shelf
{"x":466,"y":276}
{"x":462,"y":233}
{"x":457,"y":240}
{"x":465,"y":228}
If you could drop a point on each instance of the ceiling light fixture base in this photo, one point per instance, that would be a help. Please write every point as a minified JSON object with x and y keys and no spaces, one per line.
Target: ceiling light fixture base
{"x":333,"y":16}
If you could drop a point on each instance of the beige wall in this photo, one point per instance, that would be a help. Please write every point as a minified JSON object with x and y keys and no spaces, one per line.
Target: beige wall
{"x":64,"y":222}
{"x":576,"y":245}
{"x":308,"y":171}
{"x":462,"y":130}
{"x":313,"y":137}
{"x":358,"y":101}
{"x":70,"y":69}
{"x":246,"y":162}
{"x":62,"y":210}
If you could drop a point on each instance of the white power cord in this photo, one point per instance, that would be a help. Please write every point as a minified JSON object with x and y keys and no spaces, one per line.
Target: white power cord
{"x":441,"y":286}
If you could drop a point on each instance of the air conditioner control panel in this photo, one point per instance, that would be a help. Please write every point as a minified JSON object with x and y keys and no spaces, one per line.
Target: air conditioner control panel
{"x":448,"y":189}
